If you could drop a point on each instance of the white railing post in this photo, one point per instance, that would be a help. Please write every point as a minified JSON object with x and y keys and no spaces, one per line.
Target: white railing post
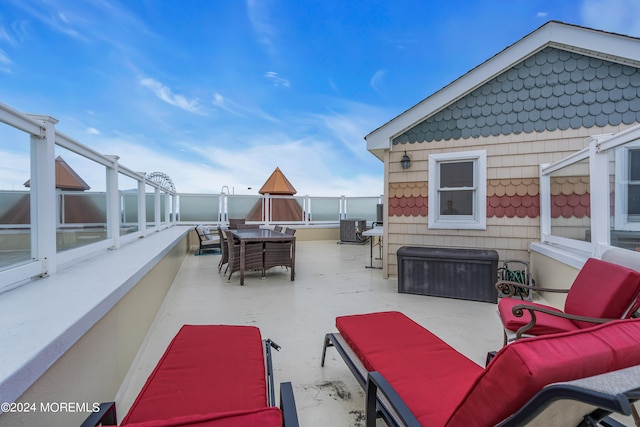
{"x":174,"y":207}
{"x":43,"y":195}
{"x":113,"y":203}
{"x":545,"y":204}
{"x":142,"y":205}
{"x":157,"y":217}
{"x":167,"y":209}
{"x":266,"y":208}
{"x":307,"y":209}
{"x":599,"y":190}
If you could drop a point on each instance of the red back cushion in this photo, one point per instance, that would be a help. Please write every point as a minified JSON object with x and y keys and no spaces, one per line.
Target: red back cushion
{"x":522,"y":368}
{"x":205,"y":369}
{"x":603,"y":290}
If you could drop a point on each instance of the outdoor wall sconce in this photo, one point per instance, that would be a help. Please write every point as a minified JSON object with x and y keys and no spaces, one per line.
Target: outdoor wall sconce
{"x":406,"y":161}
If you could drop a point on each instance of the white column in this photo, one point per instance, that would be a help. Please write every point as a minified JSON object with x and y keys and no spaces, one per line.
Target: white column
{"x":142,"y":205}
{"x":43,"y":195}
{"x":156,"y":208}
{"x":545,"y":204}
{"x":599,"y":189}
{"x":113,"y":203}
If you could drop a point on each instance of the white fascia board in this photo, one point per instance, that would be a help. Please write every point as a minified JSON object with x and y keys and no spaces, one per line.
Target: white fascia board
{"x":613,"y":47}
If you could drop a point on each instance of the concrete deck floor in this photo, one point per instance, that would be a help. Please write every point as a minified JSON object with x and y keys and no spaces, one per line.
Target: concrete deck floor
{"x":331,"y":280}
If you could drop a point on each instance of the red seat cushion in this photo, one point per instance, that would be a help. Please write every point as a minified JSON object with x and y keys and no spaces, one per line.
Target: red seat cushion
{"x":522,"y":368}
{"x":603,"y":290}
{"x":265,"y":417}
{"x":545,"y":323}
{"x":418,"y":364}
{"x":205,"y":369}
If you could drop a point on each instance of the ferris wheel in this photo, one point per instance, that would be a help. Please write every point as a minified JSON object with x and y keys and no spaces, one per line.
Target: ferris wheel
{"x":163,"y":180}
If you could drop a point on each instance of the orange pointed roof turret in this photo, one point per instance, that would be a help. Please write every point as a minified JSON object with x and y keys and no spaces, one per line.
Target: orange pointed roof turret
{"x":66,"y":178}
{"x":278,"y":184}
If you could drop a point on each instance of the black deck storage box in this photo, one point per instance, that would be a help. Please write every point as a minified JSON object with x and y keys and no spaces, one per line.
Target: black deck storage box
{"x":448,"y":272}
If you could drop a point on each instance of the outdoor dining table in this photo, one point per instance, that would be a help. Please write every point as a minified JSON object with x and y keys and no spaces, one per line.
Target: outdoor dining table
{"x":262,"y":236}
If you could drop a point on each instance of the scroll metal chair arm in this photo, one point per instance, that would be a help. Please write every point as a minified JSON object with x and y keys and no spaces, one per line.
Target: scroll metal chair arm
{"x":518,"y":311}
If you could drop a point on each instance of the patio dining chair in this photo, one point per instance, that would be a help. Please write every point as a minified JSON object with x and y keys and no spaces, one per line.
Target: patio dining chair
{"x":224,"y":259}
{"x":207,"y":241}
{"x":253,"y":255}
{"x":601,"y":292}
{"x":233,"y":223}
{"x":277,"y":228}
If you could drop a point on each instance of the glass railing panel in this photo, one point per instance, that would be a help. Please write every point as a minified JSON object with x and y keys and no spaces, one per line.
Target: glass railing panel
{"x":325,"y":208}
{"x":624,"y":185}
{"x":82,"y":200}
{"x":128,"y":189}
{"x":199,"y":207}
{"x":286,"y":209}
{"x":247,"y":207}
{"x":362,"y":208}
{"x":150,"y":205}
{"x":15,"y":219}
{"x":571,"y":202}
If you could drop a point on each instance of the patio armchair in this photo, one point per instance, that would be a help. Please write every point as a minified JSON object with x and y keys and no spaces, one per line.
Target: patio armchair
{"x":209,"y":375}
{"x":253,"y":255}
{"x":224,"y":258}
{"x":207,"y":241}
{"x":413,"y":378}
{"x":601,"y":292}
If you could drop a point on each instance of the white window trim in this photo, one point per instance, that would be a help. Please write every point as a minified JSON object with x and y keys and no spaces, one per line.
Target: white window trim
{"x":479,"y":220}
{"x":621,"y":217}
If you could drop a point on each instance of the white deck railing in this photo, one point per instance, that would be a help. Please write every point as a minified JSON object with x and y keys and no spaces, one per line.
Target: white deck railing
{"x":609,"y":168}
{"x":43,"y":227}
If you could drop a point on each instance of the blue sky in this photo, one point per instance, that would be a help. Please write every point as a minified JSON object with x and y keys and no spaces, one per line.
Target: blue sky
{"x":220,"y":92}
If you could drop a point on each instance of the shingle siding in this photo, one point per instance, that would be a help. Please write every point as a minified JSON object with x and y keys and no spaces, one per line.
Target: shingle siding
{"x":551,"y":90}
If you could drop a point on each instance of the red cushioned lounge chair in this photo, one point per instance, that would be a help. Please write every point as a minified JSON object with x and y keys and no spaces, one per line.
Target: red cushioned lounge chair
{"x":413,"y":378}
{"x":601,"y":292}
{"x":210,"y":375}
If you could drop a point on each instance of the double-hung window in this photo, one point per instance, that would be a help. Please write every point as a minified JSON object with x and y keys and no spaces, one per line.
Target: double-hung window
{"x":627,"y":192}
{"x":457,"y":190}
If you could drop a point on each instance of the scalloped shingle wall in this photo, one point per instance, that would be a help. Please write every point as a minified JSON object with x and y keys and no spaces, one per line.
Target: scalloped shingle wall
{"x":505,"y":198}
{"x":552,"y":90}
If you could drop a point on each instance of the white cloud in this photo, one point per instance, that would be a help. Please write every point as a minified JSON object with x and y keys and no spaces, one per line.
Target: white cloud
{"x":542,"y":14}
{"x":164,"y":93}
{"x":93,"y":131}
{"x":276,"y":80}
{"x":259,"y":17}
{"x":376,"y":80}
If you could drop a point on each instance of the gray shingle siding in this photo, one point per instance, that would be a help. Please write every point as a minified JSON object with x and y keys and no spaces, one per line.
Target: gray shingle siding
{"x":551,"y":90}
